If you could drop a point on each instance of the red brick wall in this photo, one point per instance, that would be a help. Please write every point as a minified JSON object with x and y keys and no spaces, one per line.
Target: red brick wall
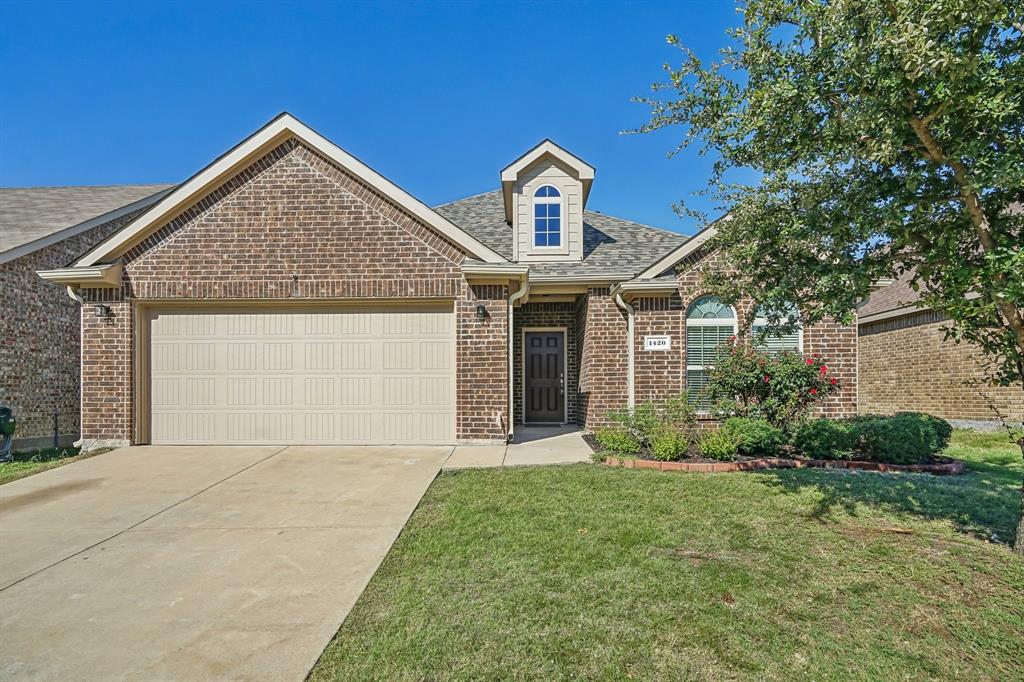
{"x":39,"y":340}
{"x":482,"y":364}
{"x":603,"y":363}
{"x":107,"y":398}
{"x":906,"y":364}
{"x":659,"y":374}
{"x":294,"y":226}
{"x":552,"y":314}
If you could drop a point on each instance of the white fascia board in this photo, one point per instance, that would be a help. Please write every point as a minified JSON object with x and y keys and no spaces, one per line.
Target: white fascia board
{"x":68,"y":232}
{"x":609,"y":278}
{"x":268,"y":137}
{"x":636,"y":287}
{"x":498,"y":270}
{"x":678,"y":254}
{"x":108,"y":275}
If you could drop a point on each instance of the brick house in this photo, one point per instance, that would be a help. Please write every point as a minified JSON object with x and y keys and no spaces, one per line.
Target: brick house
{"x":287,"y":293}
{"x":906,"y":363}
{"x":42,"y":228}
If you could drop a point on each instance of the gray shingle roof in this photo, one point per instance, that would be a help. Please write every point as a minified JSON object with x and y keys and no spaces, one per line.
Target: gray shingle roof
{"x":610,"y":245}
{"x":31,"y":213}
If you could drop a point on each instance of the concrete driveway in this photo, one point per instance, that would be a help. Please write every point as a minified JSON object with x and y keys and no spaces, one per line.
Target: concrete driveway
{"x":190,"y":563}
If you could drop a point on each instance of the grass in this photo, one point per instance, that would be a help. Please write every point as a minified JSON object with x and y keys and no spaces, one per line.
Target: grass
{"x":591,"y":572}
{"x":32,"y":462}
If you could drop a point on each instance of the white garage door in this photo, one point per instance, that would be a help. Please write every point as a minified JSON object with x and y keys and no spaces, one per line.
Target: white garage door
{"x":303,"y":375}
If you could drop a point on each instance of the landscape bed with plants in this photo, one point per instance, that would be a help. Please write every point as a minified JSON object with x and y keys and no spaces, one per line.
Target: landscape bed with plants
{"x":763,"y":402}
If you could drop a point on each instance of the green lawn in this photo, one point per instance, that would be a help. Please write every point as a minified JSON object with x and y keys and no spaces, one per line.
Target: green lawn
{"x":28,"y":463}
{"x":591,"y":572}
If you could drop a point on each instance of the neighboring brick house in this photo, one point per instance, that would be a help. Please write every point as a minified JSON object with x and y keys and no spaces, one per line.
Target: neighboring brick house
{"x":906,"y":363}
{"x":287,"y":293}
{"x":42,"y":228}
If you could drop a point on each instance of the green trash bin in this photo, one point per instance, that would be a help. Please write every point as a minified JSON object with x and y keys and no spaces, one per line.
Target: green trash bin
{"x":7,"y":426}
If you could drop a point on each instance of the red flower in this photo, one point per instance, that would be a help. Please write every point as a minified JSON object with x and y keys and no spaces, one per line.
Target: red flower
{"x":833,"y":381}
{"x":814,"y":391}
{"x":824,"y":370}
{"x":810,"y":361}
{"x":766,"y":378}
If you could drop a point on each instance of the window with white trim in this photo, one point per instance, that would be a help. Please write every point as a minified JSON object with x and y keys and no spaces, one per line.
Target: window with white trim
{"x":547,"y":217}
{"x":775,"y":343}
{"x":709,"y":324}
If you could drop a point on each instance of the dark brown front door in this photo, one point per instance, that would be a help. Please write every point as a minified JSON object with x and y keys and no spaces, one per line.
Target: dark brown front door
{"x":545,"y":377}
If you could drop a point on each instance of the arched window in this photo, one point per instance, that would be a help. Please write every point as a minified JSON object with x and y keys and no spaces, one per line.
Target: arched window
{"x":709,"y":324}
{"x":792,"y":340}
{"x":547,"y":217}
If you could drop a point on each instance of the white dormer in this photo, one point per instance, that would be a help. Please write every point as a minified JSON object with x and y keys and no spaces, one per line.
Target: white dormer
{"x":545,"y":193}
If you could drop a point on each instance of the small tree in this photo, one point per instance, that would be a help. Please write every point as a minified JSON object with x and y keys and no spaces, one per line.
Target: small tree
{"x":887,"y":138}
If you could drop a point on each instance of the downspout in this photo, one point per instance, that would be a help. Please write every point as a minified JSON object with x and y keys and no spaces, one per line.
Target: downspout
{"x":630,"y":352}
{"x":524,"y":289}
{"x":73,"y":292}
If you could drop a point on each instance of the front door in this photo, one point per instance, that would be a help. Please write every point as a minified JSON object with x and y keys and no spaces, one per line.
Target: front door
{"x":545,"y":377}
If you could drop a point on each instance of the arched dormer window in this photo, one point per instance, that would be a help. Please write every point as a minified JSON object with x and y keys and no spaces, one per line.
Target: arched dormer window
{"x":709,"y":324}
{"x":547,"y":217}
{"x":792,"y":340}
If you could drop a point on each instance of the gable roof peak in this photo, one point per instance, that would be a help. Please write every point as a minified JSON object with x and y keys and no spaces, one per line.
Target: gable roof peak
{"x":279,"y":129}
{"x":546,"y":148}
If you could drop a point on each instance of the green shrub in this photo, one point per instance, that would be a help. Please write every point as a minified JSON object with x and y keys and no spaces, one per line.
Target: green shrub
{"x":669,"y":444}
{"x":648,"y":421}
{"x":756,"y":436}
{"x":825,"y":439}
{"x":943,"y":429}
{"x":906,"y":438}
{"x":618,"y":441}
{"x":719,"y":444}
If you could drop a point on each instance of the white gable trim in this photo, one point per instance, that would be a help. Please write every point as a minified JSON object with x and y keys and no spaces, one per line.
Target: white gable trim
{"x":688,"y":247}
{"x":511,"y":172}
{"x":262,"y":141}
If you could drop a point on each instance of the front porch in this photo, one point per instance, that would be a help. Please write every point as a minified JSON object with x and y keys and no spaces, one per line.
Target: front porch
{"x":532,"y":445}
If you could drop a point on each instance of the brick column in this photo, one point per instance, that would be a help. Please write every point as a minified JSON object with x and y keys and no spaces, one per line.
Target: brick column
{"x":482,"y":410}
{"x":107,"y":386}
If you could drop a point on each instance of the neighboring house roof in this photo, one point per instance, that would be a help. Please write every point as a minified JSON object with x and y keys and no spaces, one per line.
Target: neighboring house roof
{"x":34,"y":217}
{"x":890,"y":297}
{"x":611,"y":246}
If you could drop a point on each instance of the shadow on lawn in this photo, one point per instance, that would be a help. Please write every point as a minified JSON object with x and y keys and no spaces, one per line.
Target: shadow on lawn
{"x":982,"y":502}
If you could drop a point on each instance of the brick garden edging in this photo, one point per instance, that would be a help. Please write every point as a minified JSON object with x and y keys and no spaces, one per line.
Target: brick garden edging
{"x":951,"y":467}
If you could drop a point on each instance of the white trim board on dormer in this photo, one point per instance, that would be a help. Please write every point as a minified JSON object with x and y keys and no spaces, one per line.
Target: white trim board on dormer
{"x":583,"y":170}
{"x":277,"y":131}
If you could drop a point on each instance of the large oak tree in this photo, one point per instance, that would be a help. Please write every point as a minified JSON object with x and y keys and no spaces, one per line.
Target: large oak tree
{"x":887,"y":137}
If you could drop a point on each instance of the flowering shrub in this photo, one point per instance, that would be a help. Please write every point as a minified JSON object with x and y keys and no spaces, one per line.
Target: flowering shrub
{"x":781,"y":388}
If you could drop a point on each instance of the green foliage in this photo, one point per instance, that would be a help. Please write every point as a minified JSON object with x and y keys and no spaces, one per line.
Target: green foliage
{"x":886,"y":138}
{"x":670,"y":422}
{"x":618,"y":441}
{"x":669,"y":444}
{"x":906,"y":438}
{"x":781,"y":388}
{"x":756,"y":436}
{"x":720,"y":444}
{"x":825,"y":439}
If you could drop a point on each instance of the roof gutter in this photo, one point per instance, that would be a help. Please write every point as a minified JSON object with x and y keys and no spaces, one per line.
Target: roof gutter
{"x":105,"y":276}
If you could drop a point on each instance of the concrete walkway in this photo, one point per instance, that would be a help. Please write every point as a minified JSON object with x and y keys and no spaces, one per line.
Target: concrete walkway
{"x":533,"y":445}
{"x":196,"y":563}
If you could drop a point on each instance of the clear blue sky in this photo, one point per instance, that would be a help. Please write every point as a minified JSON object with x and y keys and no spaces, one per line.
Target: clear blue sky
{"x":438,"y":97}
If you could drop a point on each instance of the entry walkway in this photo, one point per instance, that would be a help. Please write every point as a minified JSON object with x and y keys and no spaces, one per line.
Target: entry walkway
{"x":533,"y":445}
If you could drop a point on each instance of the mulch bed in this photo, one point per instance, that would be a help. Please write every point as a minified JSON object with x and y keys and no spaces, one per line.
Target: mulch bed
{"x":941,"y":465}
